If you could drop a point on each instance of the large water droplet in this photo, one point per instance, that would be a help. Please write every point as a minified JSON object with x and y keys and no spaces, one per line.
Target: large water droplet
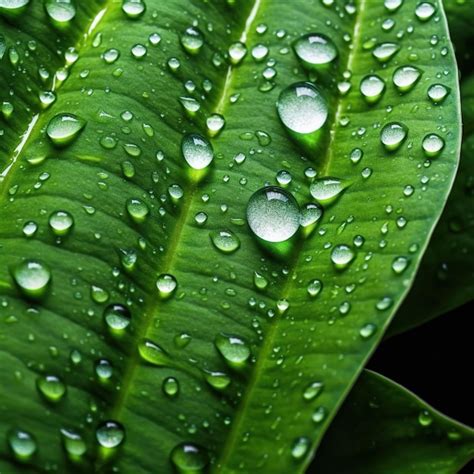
{"x":303,"y":111}
{"x":13,"y":6}
{"x":192,"y":40}
{"x":61,"y":11}
{"x":166,"y":285}
{"x":61,"y":222}
{"x":32,"y":277}
{"x":110,"y":434}
{"x":432,"y":145}
{"x":197,"y":151}
{"x":424,"y":11}
{"x":51,"y":387}
{"x":134,"y":8}
{"x":315,"y":50}
{"x":189,"y":458}
{"x":341,"y":256}
{"x":327,"y":189}
{"x":405,"y":77}
{"x":393,"y":135}
{"x":273,"y":214}
{"x":117,"y":317}
{"x":22,"y":443}
{"x":234,"y":350}
{"x":225,"y":240}
{"x":437,"y":93}
{"x":372,"y":88}
{"x":64,"y":128}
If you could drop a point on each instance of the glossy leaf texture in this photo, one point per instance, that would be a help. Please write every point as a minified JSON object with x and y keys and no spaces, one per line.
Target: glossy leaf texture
{"x":446,"y":277}
{"x":146,"y":327}
{"x":392,"y":430}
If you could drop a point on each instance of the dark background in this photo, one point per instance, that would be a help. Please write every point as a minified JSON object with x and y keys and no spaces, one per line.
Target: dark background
{"x":436,"y":362}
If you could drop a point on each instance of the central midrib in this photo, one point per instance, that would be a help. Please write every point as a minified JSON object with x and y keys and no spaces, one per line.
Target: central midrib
{"x":267,"y":345}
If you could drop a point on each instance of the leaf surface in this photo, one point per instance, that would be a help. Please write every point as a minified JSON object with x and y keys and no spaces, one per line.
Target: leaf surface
{"x":124,"y":181}
{"x":382,"y":427}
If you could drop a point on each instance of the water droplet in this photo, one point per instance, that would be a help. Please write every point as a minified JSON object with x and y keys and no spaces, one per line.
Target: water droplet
{"x":437,"y":93}
{"x":197,"y":151}
{"x":385,"y":51}
{"x":425,"y":418}
{"x":51,"y":387}
{"x":192,"y":40}
{"x":341,"y":256}
{"x":237,"y":52}
{"x":313,"y":390}
{"x":273,"y":214}
{"x":217,"y":380}
{"x":61,"y":11}
{"x":314,"y":288}
{"x":392,"y":5}
{"x":225,"y":240}
{"x":73,"y":442}
{"x":189,"y":458}
{"x":110,"y":434}
{"x":22,"y":443}
{"x":13,"y":6}
{"x":234,"y":350}
{"x":432,"y":145}
{"x":393,"y":135}
{"x":111,"y":55}
{"x":319,"y":415}
{"x":303,"y":111}
{"x":171,"y":386}
{"x":399,"y":264}
{"x":300,"y":447}
{"x":405,"y":77}
{"x":103,"y":369}
{"x":61,"y":222}
{"x":315,"y":50}
{"x":259,"y":52}
{"x":368,"y":330}
{"x":117,"y":317}
{"x":137,"y":210}
{"x":385,"y":303}
{"x":215,"y":123}
{"x":166,"y":285}
{"x":134,"y":8}
{"x":64,"y":128}
{"x":32,"y":278}
{"x":311,"y":214}
{"x":328,"y":189}
{"x":259,"y":281}
{"x":30,"y":228}
{"x":139,"y":51}
{"x":372,"y":88}
{"x":424,"y":11}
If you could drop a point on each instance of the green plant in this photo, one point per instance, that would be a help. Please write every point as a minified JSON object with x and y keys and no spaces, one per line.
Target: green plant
{"x":161,"y":310}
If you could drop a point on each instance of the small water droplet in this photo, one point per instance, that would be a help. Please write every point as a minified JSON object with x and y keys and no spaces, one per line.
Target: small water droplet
{"x":217,"y":380}
{"x":273,"y":214}
{"x":51,"y":387}
{"x":189,"y":458}
{"x":133,"y":8}
{"x":327,"y":189}
{"x":311,"y":214}
{"x":437,"y":93}
{"x":110,"y":434}
{"x":399,"y":264}
{"x":393,"y":135}
{"x":61,"y":222}
{"x":425,"y":418}
{"x":137,"y":209}
{"x":300,"y":447}
{"x":385,"y":51}
{"x":237,"y":52}
{"x":192,"y":40}
{"x":22,"y":443}
{"x":313,"y":390}
{"x":166,"y":285}
{"x":424,"y":11}
{"x":405,"y":77}
{"x":432,"y":145}
{"x":171,"y":386}
{"x":73,"y":443}
{"x":225,"y":240}
{"x":367,"y":331}
{"x":372,"y":88}
{"x":234,"y":349}
{"x":341,"y":256}
{"x":117,"y":317}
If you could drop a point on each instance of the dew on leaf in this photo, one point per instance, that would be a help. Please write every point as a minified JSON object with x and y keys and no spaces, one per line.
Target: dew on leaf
{"x":61,"y":11}
{"x":103,"y":369}
{"x":314,"y":288}
{"x":312,"y":390}
{"x":153,"y":353}
{"x":22,"y":443}
{"x":315,"y":50}
{"x":64,"y":128}
{"x":237,"y":52}
{"x":197,"y":151}
{"x":367,"y":330}
{"x":61,"y":222}
{"x":432,"y":145}
{"x":133,"y":8}
{"x":189,"y":458}
{"x":30,"y":228}
{"x":393,"y":135}
{"x":437,"y":93}
{"x":117,"y":317}
{"x":385,"y":51}
{"x":259,"y":281}
{"x":214,"y":124}
{"x":300,"y":447}
{"x":137,"y":210}
{"x":171,"y":387}
{"x":233,"y":349}
{"x":217,"y":380}
{"x":13,"y":6}
{"x":405,"y":77}
{"x":225,"y":240}
{"x":425,"y":418}
{"x":341,"y":256}
{"x":192,"y":40}
{"x":273,"y":214}
{"x":110,"y":434}
{"x":73,"y":443}
{"x":32,"y":278}
{"x":399,"y":264}
{"x":372,"y":88}
{"x":51,"y":387}
{"x":327,"y":189}
{"x":310,"y":215}
{"x":424,"y":11}
{"x":166,"y":285}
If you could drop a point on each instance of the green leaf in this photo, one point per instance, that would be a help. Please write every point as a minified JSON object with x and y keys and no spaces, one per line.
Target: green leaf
{"x":446,"y":277}
{"x":122,"y":302}
{"x":382,"y":427}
